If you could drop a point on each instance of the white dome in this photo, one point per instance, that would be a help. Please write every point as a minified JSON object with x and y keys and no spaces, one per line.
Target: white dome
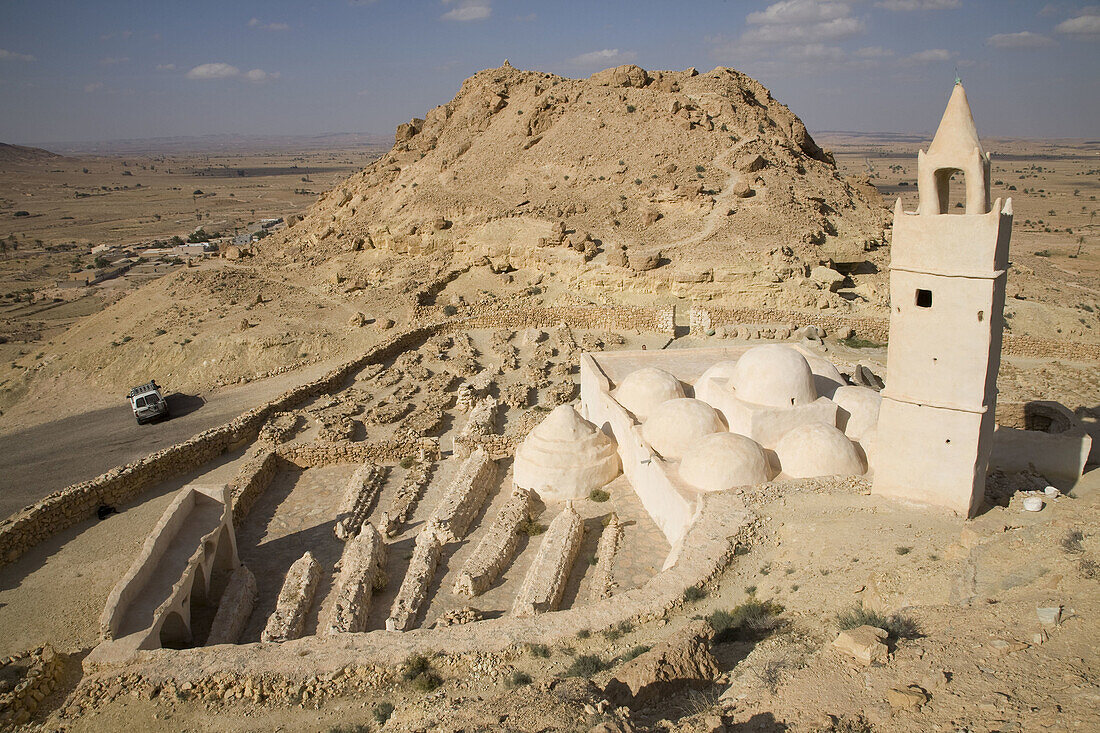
{"x":565,"y":457}
{"x":723,"y":370}
{"x":644,"y":389}
{"x":858,"y":413}
{"x":722,"y":461}
{"x":774,"y":375}
{"x":675,"y":426}
{"x":816,"y":449}
{"x":826,"y":377}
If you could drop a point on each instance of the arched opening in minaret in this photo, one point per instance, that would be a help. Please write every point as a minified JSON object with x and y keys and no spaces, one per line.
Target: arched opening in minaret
{"x":952,"y":199}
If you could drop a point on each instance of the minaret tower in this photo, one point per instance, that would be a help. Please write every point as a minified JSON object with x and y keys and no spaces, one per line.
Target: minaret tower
{"x":947,"y":295}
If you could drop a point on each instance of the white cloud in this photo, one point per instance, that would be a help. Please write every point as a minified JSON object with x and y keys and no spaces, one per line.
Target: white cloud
{"x":603,"y":59}
{"x":6,"y":55}
{"x":257,"y":23}
{"x":467,"y":10}
{"x":829,"y":30}
{"x":166,"y":67}
{"x":800,"y":11}
{"x":93,"y":87}
{"x":919,"y":4}
{"x":1023,"y":39}
{"x":113,"y":60}
{"x":216,"y":70}
{"x":929,"y":56}
{"x":1082,"y":25}
{"x":873,"y":52}
{"x":259,"y":75}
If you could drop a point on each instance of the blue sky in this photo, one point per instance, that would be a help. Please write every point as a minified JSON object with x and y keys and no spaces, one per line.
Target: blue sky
{"x":75,"y":71}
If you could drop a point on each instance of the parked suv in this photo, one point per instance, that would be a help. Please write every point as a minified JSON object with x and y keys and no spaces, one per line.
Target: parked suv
{"x":148,"y":403}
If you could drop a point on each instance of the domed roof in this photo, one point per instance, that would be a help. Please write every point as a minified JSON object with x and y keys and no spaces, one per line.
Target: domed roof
{"x":826,"y":377}
{"x":565,"y":457}
{"x":723,"y":369}
{"x":816,"y":449}
{"x":722,"y":461}
{"x":774,"y":375}
{"x":645,"y":388}
{"x":676,"y":425}
{"x":858,"y":414}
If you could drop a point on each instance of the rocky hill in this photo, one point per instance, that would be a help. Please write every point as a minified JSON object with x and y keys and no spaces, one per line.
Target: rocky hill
{"x":21,"y":154}
{"x":703,"y":175}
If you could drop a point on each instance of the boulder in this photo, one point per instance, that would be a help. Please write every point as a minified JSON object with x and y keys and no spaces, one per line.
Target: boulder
{"x":751,"y":163}
{"x":743,"y":190}
{"x":627,"y":75}
{"x":616,"y":257}
{"x":907,"y":698}
{"x":827,"y":277}
{"x":864,"y":643}
{"x":407,"y":130}
{"x":682,"y":661}
{"x":232,"y":252}
{"x":643,"y":262}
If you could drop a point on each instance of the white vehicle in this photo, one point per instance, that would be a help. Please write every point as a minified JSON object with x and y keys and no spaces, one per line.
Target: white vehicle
{"x":148,"y":403}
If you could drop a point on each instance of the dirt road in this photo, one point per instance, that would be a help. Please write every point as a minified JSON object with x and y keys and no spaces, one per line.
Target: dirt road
{"x":39,"y":460}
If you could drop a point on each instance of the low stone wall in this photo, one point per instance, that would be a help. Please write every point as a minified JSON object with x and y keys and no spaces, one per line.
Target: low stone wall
{"x":878,"y":329}
{"x":414,"y":588}
{"x":361,"y":571}
{"x":320,"y":453}
{"x":234,"y":608}
{"x":464,"y":496}
{"x":494,"y":553}
{"x":602,"y":582}
{"x":406,"y":497}
{"x":545,"y":580}
{"x":42,"y":671}
{"x":360,"y":494}
{"x":288,"y":619}
{"x":613,"y":318}
{"x":252,"y":480}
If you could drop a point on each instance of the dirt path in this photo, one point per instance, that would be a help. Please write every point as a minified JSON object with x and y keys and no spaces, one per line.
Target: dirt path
{"x":712,"y":218}
{"x":41,"y":459}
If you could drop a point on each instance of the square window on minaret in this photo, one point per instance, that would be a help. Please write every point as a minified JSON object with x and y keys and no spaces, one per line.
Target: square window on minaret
{"x":924,"y":298}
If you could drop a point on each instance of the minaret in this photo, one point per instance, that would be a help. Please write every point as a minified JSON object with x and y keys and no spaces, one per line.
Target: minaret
{"x":947,"y":294}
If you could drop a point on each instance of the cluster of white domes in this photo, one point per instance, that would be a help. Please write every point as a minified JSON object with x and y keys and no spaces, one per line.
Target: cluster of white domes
{"x":676,"y":425}
{"x":565,"y":457}
{"x":644,"y":389}
{"x":779,"y":382}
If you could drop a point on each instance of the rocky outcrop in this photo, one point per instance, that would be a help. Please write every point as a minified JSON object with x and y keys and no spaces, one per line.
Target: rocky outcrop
{"x":465,"y":496}
{"x":494,"y":552}
{"x":545,"y":580}
{"x":414,"y":588}
{"x":288,"y":620}
{"x":682,"y":661}
{"x":362,"y":569}
{"x":359,"y":497}
{"x":234,"y":608}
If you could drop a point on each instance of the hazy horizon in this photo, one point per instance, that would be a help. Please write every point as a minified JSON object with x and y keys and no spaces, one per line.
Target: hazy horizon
{"x":123,"y":70}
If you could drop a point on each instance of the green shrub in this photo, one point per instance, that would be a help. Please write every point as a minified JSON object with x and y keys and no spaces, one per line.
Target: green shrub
{"x":539,"y":650}
{"x":407,"y":462}
{"x":382,"y":712}
{"x":584,"y":634}
{"x":426,"y":682}
{"x":694,"y":593}
{"x":635,"y":652}
{"x":414,"y":666}
{"x":898,"y":626}
{"x":630,"y":108}
{"x":599,"y":495}
{"x":855,"y":342}
{"x":751,"y":618}
{"x":518,"y":679}
{"x":531,"y":528}
{"x":449,"y":310}
{"x":903,"y":550}
{"x":586,"y":665}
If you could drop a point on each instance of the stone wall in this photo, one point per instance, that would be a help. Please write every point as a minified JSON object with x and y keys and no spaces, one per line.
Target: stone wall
{"x":40,"y":671}
{"x":288,"y":620}
{"x":360,"y":494}
{"x":545,"y":580}
{"x":602,"y":582}
{"x":320,"y":453}
{"x":421,"y":571}
{"x":406,"y":497}
{"x":234,"y":608}
{"x":494,"y":552}
{"x":252,"y":480}
{"x":361,"y":571}
{"x":604,"y":318}
{"x":878,"y":330}
{"x":464,"y":496}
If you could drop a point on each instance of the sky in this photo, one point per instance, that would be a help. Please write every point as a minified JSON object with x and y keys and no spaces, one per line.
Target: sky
{"x":116,"y":69}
